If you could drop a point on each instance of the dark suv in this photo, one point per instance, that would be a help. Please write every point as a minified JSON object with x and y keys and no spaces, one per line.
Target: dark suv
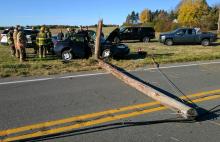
{"x":144,"y":34}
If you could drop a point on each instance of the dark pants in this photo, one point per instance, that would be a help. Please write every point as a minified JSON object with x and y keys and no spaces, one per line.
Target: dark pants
{"x":12,"y":48}
{"x":42,"y":51}
{"x":35,"y":47}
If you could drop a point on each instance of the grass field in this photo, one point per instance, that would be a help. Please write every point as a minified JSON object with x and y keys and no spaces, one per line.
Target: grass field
{"x":10,"y":66}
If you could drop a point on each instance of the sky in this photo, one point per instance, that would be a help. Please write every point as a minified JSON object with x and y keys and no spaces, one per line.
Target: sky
{"x":76,"y":12}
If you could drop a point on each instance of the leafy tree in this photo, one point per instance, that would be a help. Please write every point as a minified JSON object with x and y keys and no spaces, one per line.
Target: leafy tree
{"x":132,"y":19}
{"x":162,"y":22}
{"x":191,"y":12}
{"x":145,"y":16}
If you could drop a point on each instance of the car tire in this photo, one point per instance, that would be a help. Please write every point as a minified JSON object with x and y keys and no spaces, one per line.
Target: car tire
{"x":146,"y":39}
{"x":106,"y":53}
{"x":67,"y":55}
{"x":205,"y":42}
{"x":117,"y":39}
{"x":169,"y":42}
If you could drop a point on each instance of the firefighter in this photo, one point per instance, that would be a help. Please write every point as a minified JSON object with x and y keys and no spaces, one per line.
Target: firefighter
{"x":49,"y":42}
{"x":15,"y":40}
{"x":41,"y":41}
{"x":33,"y":39}
{"x":11,"y":41}
{"x":21,"y":44}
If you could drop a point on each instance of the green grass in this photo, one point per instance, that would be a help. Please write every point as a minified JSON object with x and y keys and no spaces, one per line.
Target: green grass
{"x":10,"y":66}
{"x":168,"y":54}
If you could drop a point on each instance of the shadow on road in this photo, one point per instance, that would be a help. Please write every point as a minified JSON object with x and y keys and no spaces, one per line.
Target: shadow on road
{"x":143,"y":55}
{"x":204,"y":116}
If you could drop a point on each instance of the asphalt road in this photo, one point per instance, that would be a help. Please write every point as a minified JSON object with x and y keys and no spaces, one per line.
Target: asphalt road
{"x":28,"y":101}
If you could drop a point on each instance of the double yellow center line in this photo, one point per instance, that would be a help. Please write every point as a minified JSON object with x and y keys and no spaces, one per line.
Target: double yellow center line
{"x":82,"y":120}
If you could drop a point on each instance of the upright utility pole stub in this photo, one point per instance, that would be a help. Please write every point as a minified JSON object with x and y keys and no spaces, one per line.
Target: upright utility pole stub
{"x":98,"y":38}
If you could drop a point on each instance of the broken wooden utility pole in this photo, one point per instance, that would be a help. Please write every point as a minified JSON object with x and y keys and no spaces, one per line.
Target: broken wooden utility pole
{"x":98,"y":37}
{"x":184,"y":110}
{"x":219,"y":20}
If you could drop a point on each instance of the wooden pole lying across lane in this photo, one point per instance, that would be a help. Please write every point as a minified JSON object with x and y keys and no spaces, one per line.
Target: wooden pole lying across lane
{"x":186,"y":111}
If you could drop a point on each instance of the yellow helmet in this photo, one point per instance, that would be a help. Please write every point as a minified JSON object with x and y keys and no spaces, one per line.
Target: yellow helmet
{"x":42,"y":29}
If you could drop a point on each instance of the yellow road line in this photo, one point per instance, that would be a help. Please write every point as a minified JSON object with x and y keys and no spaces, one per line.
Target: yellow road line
{"x":92,"y":115}
{"x":98,"y":121}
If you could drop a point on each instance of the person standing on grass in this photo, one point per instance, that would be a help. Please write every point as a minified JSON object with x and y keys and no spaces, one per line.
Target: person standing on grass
{"x":15,"y":40}
{"x":42,"y":42}
{"x":49,"y":41}
{"x":33,"y":39}
{"x":21,"y":44}
{"x":60,"y":35}
{"x":11,"y":41}
{"x":70,"y":33}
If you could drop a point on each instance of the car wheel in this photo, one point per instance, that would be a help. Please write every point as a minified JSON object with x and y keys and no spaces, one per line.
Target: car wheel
{"x":205,"y":42}
{"x":116,"y":40}
{"x":146,"y":39}
{"x":67,"y":55}
{"x":169,"y":42}
{"x":106,"y":53}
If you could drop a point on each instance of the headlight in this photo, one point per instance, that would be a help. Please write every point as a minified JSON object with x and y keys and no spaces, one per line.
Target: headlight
{"x":163,"y":37}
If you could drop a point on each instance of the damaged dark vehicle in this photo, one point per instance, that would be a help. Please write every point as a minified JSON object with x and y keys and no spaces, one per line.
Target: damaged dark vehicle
{"x":143,"y":34}
{"x":82,"y":46}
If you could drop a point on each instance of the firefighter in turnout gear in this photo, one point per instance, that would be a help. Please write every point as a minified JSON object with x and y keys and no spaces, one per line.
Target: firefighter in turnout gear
{"x":15,"y":40}
{"x":49,"y":41}
{"x":33,"y":39}
{"x":11,"y":41}
{"x":42,"y":42}
{"x":21,"y":44}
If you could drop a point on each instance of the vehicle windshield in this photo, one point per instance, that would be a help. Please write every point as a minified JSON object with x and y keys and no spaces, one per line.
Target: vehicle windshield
{"x":5,"y":32}
{"x":122,"y":29}
{"x":175,"y":31}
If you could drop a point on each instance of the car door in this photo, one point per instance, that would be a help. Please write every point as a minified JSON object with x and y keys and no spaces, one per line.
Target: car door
{"x":190,"y":36}
{"x":77,"y":45}
{"x":126,"y":34}
{"x":180,"y":36}
{"x":135,"y":33}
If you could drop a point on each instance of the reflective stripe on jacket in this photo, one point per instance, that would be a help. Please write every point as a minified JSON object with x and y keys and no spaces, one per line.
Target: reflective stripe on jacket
{"x":42,"y":39}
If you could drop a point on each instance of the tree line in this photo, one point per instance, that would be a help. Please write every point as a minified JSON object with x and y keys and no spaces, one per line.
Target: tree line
{"x":63,"y":26}
{"x":188,"y":13}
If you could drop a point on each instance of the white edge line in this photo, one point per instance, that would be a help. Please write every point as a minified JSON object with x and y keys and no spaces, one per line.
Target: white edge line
{"x":82,"y":75}
{"x":179,"y":66}
{"x":97,"y":74}
{"x":25,"y":81}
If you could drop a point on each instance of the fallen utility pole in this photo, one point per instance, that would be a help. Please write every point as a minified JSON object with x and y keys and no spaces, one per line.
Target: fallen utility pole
{"x":184,"y":110}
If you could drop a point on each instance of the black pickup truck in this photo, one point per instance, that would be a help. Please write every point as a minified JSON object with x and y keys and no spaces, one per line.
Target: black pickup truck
{"x":188,"y":36}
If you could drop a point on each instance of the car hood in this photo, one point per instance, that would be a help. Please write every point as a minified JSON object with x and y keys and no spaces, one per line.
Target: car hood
{"x":167,"y":33}
{"x":112,"y":34}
